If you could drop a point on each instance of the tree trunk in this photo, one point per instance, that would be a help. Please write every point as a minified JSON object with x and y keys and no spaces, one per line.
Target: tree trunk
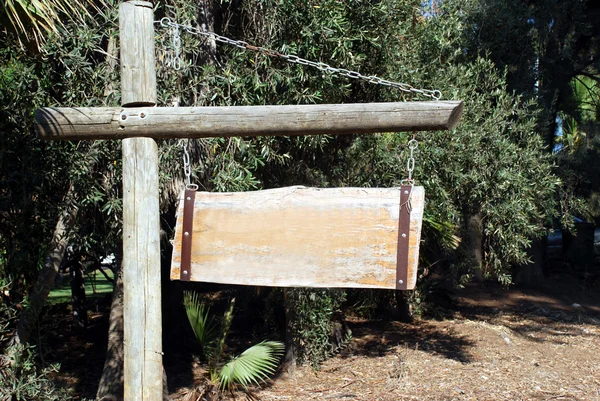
{"x":403,"y":307}
{"x":474,"y":228}
{"x":289,"y":360}
{"x":47,"y":276}
{"x":112,"y":58}
{"x":532,"y":274}
{"x":111,"y":387}
{"x":111,"y":382}
{"x":77,"y":273}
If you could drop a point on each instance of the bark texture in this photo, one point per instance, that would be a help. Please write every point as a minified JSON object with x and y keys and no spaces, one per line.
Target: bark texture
{"x":474,"y":230}
{"x":289,"y":360}
{"x":77,"y":272}
{"x":111,"y":383}
{"x":47,"y":276}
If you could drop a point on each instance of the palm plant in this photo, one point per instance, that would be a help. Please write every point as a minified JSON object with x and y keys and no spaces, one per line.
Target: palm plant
{"x":580,"y":113}
{"x":198,"y":316}
{"x":34,"y":20}
{"x":254,"y":365}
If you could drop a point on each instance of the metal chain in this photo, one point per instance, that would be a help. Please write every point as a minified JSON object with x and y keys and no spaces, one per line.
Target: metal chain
{"x":187,"y":169}
{"x":172,"y":51}
{"x":431,"y":93}
{"x":410,"y":163}
{"x":176,"y":43}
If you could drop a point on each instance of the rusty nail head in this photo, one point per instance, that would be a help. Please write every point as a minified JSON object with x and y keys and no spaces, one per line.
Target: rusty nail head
{"x":123,"y":117}
{"x":143,"y":115}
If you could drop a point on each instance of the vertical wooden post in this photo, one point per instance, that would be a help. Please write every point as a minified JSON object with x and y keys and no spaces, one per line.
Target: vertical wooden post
{"x":141,"y":245}
{"x":138,"y":68}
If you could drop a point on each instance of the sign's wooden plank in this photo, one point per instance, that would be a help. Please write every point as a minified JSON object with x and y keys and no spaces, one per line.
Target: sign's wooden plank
{"x":300,"y":237}
{"x":199,"y":122}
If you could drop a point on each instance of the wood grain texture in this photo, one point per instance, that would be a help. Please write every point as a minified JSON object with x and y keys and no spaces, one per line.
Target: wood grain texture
{"x":141,"y":271}
{"x":199,"y":122}
{"x":142,"y":334}
{"x":138,"y":63}
{"x":300,"y":237}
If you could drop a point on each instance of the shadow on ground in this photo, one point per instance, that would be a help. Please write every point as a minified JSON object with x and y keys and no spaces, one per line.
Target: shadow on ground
{"x":80,"y":352}
{"x":374,"y":339}
{"x":547,"y":313}
{"x":559,"y":300}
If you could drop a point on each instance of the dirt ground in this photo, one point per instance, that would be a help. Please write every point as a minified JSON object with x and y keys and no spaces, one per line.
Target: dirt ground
{"x":498,"y":344}
{"x":527,"y":349}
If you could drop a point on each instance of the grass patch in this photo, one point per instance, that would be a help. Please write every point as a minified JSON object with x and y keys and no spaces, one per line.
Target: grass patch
{"x":96,"y":286}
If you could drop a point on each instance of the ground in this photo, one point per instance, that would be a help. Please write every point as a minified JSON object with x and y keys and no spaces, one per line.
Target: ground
{"x":498,"y":344}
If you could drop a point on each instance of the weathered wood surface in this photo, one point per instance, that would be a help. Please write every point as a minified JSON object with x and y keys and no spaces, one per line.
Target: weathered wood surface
{"x":142,"y":334}
{"x":141,"y":271}
{"x":198,"y":122}
{"x":300,"y":237}
{"x":138,"y":62}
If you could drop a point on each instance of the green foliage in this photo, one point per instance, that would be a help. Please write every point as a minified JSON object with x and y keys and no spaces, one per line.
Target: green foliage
{"x":494,"y":164}
{"x":557,"y":41}
{"x":21,"y":377}
{"x":254,"y":365}
{"x":36,"y":20}
{"x":8,"y":314}
{"x":313,"y":323}
{"x":219,"y":347}
{"x":38,"y":180}
{"x":578,"y":147}
{"x":553,"y":65}
{"x":580,"y":113}
{"x":22,"y":380}
{"x":199,"y":317}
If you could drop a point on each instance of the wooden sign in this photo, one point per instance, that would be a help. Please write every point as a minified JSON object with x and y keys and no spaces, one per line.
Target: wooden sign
{"x":302,"y":237}
{"x":345,"y":237}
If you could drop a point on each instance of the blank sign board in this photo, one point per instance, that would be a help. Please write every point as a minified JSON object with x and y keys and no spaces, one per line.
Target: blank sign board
{"x":301,"y":237}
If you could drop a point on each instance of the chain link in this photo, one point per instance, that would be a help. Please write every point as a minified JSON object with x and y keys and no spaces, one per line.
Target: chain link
{"x":431,"y":93}
{"x":187,"y":168}
{"x":410,"y":163}
{"x":172,"y":51}
{"x":176,"y":43}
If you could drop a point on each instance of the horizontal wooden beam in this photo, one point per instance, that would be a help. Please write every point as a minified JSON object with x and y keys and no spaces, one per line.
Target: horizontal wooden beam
{"x":199,"y":122}
{"x":300,"y":237}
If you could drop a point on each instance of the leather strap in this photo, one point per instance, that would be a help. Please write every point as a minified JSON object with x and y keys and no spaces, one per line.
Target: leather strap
{"x":403,"y":238}
{"x":186,"y":236}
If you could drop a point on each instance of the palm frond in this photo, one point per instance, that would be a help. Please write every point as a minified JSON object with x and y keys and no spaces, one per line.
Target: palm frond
{"x":34,"y":20}
{"x":198,"y":316}
{"x":254,"y":365}
{"x":444,"y":230}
